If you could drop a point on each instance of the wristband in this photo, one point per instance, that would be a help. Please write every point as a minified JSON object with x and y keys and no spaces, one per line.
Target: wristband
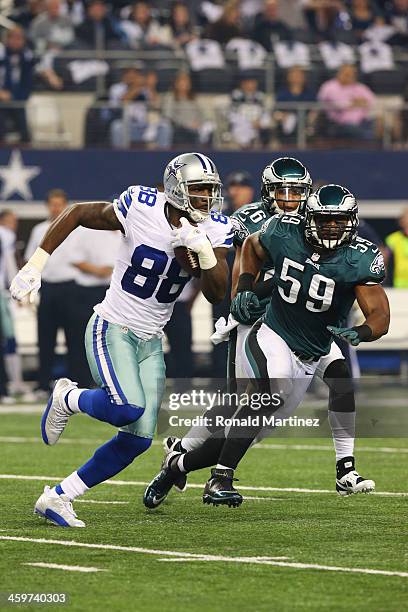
{"x":39,"y":259}
{"x":207,"y":257}
{"x":246,"y":282}
{"x":364,"y":332}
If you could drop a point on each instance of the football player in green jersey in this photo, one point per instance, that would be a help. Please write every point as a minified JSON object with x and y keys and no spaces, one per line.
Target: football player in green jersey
{"x":321,"y":267}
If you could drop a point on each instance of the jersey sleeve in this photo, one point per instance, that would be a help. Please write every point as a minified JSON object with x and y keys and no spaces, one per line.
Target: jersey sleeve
{"x":122,"y":205}
{"x":240,"y":231}
{"x":269,"y":233}
{"x":221,"y":233}
{"x":371,"y":269}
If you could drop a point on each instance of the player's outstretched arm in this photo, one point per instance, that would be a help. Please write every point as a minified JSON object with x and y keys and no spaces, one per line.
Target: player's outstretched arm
{"x":95,"y":215}
{"x":373,"y":301}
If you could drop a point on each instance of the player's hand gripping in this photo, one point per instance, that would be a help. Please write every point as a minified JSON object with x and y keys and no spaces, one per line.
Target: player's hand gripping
{"x":28,"y":281}
{"x":245,"y":306}
{"x":348,"y":334}
{"x":196,"y":240}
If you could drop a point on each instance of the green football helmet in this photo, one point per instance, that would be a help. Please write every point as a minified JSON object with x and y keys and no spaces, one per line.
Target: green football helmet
{"x":286,"y":185}
{"x":331,"y":217}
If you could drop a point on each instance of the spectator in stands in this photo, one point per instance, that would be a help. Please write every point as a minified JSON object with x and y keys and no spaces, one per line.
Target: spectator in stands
{"x":17,"y":68}
{"x":397,"y":17}
{"x":134,"y":127}
{"x":99,"y":30}
{"x":183,"y":111}
{"x":228,"y":26}
{"x":141,"y":30}
{"x":248,"y":117}
{"x":268,"y":27}
{"x":364,"y":14}
{"x":151,"y":82}
{"x":56,"y":308}
{"x":349,"y":105}
{"x":181,"y":24}
{"x":26,"y":14}
{"x":240,"y":190}
{"x":325,"y":16}
{"x":75,"y":10}
{"x":52,"y":29}
{"x":296,"y":90}
{"x":398,"y":244}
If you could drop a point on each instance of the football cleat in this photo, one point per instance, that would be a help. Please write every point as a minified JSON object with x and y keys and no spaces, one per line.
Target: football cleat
{"x":173,"y":445}
{"x":348,"y":480}
{"x":219,"y":491}
{"x":157,"y":491}
{"x":57,"y":509}
{"x":57,"y":413}
{"x":352,"y":483}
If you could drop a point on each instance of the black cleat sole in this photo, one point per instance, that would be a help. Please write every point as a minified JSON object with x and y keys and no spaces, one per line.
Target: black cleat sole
{"x":231,"y":503}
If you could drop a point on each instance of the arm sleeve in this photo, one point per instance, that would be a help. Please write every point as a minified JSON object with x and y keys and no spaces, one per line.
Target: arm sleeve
{"x":371,"y":269}
{"x":121,"y":206}
{"x":240,"y":231}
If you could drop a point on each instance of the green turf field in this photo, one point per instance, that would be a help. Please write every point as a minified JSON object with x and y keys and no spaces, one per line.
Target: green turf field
{"x":187,"y":556}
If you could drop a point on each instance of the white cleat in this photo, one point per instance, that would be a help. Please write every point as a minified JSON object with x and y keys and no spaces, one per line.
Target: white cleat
{"x":57,"y":413}
{"x":352,"y":483}
{"x":57,"y":509}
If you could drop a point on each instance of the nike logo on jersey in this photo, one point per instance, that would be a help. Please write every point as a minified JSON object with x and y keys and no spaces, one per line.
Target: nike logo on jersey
{"x":312,"y":263}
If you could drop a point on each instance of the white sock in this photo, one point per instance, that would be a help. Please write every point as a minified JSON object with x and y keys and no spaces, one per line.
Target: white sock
{"x":73,"y":399}
{"x":180,"y":463}
{"x":73,"y":486}
{"x":343,"y":431}
{"x":195,"y":438}
{"x":222,"y":467}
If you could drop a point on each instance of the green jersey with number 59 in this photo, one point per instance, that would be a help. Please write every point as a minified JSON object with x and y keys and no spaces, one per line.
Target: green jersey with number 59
{"x":314,"y":289}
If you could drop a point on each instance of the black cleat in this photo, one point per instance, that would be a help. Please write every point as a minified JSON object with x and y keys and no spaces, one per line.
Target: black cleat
{"x":219,"y":491}
{"x":173,"y":450}
{"x":157,"y":491}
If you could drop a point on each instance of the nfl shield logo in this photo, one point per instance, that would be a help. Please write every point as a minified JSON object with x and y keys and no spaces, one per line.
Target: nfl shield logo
{"x":315,"y":257}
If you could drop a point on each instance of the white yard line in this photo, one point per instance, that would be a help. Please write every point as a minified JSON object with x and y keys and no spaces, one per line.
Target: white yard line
{"x":97,"y":501}
{"x":139,"y":483}
{"x":66,"y":568}
{"x":203,"y":557}
{"x":261,"y":446}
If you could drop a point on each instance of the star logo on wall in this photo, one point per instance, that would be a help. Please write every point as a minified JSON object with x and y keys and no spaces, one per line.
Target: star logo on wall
{"x":173,"y":169}
{"x":16,"y":177}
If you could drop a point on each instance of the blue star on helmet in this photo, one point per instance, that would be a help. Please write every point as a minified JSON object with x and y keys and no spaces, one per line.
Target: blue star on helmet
{"x":173,"y":169}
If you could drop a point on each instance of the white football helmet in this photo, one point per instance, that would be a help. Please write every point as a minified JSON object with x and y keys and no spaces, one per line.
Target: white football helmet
{"x":192,"y":169}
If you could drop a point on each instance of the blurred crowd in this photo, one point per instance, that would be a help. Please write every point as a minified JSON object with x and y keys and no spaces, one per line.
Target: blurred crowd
{"x":356,"y":42}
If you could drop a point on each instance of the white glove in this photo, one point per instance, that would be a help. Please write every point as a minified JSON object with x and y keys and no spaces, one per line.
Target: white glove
{"x":196,"y":240}
{"x":28,"y":280}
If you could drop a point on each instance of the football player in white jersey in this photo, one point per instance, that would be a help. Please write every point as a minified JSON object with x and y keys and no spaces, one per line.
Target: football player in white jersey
{"x":124,"y":336}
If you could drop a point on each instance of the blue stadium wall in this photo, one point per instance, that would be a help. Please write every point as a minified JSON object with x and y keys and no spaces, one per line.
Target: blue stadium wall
{"x":101,"y":174}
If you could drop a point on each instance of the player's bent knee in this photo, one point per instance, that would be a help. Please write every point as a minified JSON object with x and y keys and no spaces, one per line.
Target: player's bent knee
{"x":337,"y":369}
{"x":125,"y":414}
